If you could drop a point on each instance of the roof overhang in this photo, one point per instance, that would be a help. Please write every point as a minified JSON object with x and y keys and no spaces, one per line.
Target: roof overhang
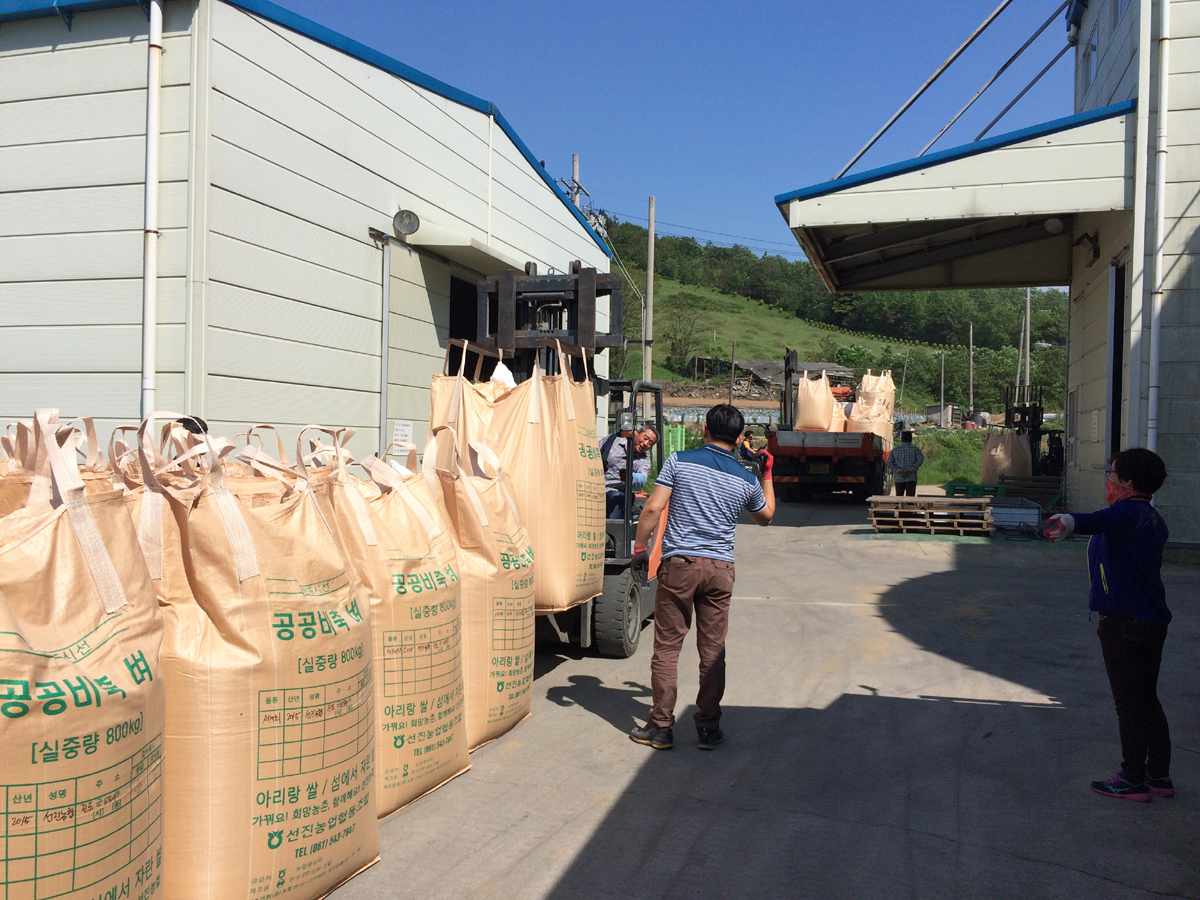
{"x":995,"y":213}
{"x":463,"y":249}
{"x":16,"y":10}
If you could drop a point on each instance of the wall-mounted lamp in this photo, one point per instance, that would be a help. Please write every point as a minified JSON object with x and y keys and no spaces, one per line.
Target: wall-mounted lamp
{"x":406,"y":222}
{"x":1093,"y":241}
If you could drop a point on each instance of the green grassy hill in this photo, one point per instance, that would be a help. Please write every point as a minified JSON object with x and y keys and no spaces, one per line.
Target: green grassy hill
{"x":761,"y":331}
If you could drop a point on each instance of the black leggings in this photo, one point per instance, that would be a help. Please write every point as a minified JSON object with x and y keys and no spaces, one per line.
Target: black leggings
{"x":1132,"y":655}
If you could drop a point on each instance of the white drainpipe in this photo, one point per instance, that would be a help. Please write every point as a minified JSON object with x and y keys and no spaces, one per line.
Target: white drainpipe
{"x":150,"y":251}
{"x":1160,"y":203}
{"x":385,"y":439}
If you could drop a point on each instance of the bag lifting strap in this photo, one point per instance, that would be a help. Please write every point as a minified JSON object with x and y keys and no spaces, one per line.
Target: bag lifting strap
{"x":68,"y":486}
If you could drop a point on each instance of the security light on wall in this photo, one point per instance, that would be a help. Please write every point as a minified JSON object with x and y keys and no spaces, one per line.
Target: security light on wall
{"x":405,"y":222}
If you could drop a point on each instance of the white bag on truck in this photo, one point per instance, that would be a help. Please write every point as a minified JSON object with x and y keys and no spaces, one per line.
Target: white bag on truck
{"x":814,"y":403}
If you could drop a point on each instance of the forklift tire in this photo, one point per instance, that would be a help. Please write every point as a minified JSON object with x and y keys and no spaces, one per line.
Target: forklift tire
{"x":617,"y":622}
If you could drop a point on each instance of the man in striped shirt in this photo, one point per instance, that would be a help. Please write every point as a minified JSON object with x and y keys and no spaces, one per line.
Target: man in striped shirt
{"x":707,"y":490}
{"x":904,"y":461}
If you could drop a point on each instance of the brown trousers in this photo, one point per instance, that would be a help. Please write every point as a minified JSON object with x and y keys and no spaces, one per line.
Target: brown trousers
{"x":686,"y":583}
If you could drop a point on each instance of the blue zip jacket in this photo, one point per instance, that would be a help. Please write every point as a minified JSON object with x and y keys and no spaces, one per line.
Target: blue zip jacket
{"x":1125,"y":560}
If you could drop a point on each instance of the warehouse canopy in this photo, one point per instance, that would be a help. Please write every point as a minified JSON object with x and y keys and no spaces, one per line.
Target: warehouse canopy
{"x":994,"y":213}
{"x":463,"y":249}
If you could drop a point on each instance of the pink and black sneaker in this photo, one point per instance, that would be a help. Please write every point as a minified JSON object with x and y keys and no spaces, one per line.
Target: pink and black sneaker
{"x":1161,"y":786}
{"x":1117,"y":786}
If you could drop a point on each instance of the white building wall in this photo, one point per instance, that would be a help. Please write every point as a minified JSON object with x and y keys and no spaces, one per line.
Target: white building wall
{"x":1179,"y":404}
{"x":278,"y":154}
{"x":310,"y":148}
{"x":72,"y":156}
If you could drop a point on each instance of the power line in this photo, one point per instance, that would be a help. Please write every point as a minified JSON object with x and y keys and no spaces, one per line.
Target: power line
{"x":778,"y":251}
{"x":707,"y":212}
{"x":707,"y":231}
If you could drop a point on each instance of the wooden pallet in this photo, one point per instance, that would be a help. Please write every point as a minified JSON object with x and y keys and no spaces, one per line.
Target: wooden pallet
{"x":979,"y":531}
{"x":932,"y":515}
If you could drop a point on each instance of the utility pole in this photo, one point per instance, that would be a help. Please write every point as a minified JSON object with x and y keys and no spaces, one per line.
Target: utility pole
{"x":903,"y":375}
{"x":648,"y":324}
{"x":732,"y":369}
{"x":971,"y":368}
{"x":1028,"y":342}
{"x":1017,"y":379}
{"x":942,"y":401}
{"x":575,"y":179}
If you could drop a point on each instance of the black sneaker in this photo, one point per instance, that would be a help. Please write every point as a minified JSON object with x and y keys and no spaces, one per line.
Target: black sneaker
{"x":709,"y":738}
{"x":653,"y":736}
{"x":1164,"y":787}
{"x":1117,"y":786}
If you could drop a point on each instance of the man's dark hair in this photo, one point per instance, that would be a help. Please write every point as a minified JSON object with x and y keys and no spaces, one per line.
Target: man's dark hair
{"x":724,"y":423}
{"x":646,"y":426}
{"x":1141,"y":466}
{"x":906,"y":437}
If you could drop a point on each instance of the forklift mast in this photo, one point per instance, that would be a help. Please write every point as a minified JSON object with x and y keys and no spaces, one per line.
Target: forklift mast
{"x":518,"y":314}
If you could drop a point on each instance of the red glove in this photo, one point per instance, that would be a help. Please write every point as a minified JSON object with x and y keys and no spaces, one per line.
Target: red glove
{"x":768,"y":464}
{"x":1059,"y":528}
{"x":641,"y":558}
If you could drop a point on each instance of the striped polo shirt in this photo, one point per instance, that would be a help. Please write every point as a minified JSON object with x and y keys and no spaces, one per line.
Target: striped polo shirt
{"x":709,"y":490}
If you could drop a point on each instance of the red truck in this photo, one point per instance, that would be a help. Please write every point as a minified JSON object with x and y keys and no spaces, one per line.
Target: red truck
{"x":817,"y":462}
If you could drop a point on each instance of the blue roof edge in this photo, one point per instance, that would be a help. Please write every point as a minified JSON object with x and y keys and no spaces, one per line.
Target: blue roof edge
{"x":13,"y":10}
{"x":923,"y":162}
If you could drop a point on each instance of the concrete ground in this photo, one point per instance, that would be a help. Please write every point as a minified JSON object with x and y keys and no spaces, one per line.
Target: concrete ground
{"x":904,"y":718}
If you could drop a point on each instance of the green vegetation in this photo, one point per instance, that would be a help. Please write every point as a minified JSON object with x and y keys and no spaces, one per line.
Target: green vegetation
{"x":707,"y":297}
{"x":950,"y":456}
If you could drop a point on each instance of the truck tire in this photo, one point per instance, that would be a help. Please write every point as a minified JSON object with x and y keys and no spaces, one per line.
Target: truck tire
{"x":617,"y":616}
{"x":877,"y":481}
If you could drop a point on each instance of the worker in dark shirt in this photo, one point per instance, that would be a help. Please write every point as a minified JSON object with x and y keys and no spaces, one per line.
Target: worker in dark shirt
{"x":1125,"y":562}
{"x":708,"y":489}
{"x":620,"y":460}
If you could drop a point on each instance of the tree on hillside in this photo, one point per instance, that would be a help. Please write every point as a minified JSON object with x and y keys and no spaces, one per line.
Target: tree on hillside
{"x":936,"y":317}
{"x":680,"y":330}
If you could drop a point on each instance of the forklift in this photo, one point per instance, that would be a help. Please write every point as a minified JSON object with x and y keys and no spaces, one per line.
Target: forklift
{"x":519,"y":316}
{"x":628,"y":598}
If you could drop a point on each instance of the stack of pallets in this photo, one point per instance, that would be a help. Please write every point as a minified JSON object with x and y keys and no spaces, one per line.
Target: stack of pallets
{"x":932,"y":515}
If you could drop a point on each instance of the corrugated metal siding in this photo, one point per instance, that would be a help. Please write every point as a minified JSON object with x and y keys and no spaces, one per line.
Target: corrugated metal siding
{"x":420,"y":325}
{"x":298,"y":150}
{"x":310,"y":149}
{"x":1084,"y":167}
{"x":1179,"y":390}
{"x":1116,"y":72}
{"x":72,"y":145}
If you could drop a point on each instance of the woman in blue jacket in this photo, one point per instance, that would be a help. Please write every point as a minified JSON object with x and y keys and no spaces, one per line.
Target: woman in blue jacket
{"x":1125,"y":562}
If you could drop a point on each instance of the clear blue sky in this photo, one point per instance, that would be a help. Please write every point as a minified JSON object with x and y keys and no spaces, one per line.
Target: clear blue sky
{"x":716,"y":107}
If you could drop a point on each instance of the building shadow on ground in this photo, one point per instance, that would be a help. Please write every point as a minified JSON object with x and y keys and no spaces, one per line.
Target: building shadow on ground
{"x":907,"y":797}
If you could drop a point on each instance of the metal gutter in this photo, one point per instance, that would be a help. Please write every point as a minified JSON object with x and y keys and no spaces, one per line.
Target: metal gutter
{"x":1138,"y":355}
{"x":13,"y":10}
{"x":154,"y":47}
{"x":924,"y":162}
{"x":1160,"y":203}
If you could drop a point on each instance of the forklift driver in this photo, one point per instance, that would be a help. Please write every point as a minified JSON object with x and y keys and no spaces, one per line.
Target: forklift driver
{"x":613,"y":455}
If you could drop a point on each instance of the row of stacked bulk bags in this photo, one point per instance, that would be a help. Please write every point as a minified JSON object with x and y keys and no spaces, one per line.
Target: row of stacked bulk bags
{"x":544,"y":430}
{"x":315,"y":631}
{"x":270,"y":737}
